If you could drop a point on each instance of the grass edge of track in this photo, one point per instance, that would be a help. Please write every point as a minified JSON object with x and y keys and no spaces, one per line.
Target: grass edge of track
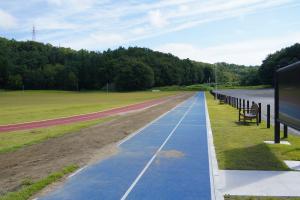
{"x":30,"y":188}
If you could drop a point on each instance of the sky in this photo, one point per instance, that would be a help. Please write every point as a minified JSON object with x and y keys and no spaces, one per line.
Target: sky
{"x":233,"y":31}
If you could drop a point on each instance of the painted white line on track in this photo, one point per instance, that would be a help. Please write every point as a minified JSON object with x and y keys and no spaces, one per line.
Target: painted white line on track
{"x":147,"y":125}
{"x":156,"y":153}
{"x":79,"y":170}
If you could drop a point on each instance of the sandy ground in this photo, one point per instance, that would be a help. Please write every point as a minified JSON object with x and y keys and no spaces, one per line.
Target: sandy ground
{"x":83,"y":147}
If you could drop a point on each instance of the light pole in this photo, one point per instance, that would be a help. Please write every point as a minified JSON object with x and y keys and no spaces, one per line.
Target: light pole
{"x":107,"y":87}
{"x":216,"y":82}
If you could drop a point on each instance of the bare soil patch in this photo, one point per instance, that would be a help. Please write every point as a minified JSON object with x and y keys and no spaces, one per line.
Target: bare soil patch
{"x":83,"y":147}
{"x":171,"y":154}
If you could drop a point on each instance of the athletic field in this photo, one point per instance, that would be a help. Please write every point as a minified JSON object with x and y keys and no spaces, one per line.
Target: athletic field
{"x":167,"y":159}
{"x":19,"y":107}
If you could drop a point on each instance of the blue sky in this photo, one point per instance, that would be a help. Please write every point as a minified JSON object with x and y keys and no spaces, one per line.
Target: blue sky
{"x":234,"y":31}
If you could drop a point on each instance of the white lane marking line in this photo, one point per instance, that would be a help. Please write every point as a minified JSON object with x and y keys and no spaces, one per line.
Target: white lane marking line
{"x":147,"y":125}
{"x":79,"y":170}
{"x":156,"y":153}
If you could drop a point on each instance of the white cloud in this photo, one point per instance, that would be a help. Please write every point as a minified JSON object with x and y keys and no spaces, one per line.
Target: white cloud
{"x":250,"y":52}
{"x":7,"y":21}
{"x":139,"y":31}
{"x":55,"y":2}
{"x":94,"y":41}
{"x":79,"y":22}
{"x":73,"y":4}
{"x":156,"y":19}
{"x":108,"y":38}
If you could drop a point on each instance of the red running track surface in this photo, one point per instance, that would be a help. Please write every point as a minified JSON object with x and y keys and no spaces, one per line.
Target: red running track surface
{"x":80,"y":118}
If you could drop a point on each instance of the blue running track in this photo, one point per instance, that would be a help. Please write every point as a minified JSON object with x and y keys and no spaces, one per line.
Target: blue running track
{"x":168,"y":159}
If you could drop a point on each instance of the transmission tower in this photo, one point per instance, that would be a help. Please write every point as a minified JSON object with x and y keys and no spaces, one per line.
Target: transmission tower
{"x":33,"y":33}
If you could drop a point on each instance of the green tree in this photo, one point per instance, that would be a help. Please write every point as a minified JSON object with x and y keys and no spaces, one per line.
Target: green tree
{"x":134,"y":76}
{"x":15,"y":82}
{"x":277,"y":60}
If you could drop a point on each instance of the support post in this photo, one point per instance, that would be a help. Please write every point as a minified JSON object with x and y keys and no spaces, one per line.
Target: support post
{"x":276,"y":111}
{"x":259,"y":112}
{"x":285,"y":130}
{"x":240,"y":102}
{"x":268,"y":116}
{"x":243,"y":103}
{"x":247,"y":106}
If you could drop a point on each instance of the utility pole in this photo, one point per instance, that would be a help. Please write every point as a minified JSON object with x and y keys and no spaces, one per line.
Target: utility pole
{"x":107,"y":88}
{"x":216,"y":82}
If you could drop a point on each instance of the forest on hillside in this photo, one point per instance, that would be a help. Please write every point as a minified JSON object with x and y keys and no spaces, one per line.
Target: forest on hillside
{"x":34,"y":65}
{"x":279,"y":59}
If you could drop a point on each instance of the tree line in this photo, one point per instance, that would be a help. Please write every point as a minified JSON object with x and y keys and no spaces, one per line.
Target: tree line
{"x":279,"y":59}
{"x":34,"y":65}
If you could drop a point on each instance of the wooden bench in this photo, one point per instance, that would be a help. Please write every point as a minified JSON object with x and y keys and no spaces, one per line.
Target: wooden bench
{"x":249,"y":114}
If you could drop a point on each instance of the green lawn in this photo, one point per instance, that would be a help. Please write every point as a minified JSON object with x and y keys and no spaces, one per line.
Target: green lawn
{"x":196,"y":87}
{"x":250,"y":87}
{"x":241,"y":146}
{"x":18,"y":106}
{"x":29,"y":188}
{"x":11,"y":141}
{"x":207,"y":87}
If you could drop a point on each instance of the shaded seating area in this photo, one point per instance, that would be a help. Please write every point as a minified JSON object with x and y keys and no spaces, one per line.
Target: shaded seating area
{"x":248,"y":114}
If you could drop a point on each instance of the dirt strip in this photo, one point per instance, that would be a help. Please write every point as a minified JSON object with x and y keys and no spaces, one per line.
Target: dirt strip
{"x":82,"y":147}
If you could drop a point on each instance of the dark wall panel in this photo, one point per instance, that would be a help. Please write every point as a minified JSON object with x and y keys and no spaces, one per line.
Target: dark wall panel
{"x":289,"y":95}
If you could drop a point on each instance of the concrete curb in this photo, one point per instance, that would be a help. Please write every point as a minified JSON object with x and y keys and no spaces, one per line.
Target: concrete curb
{"x":214,"y":169}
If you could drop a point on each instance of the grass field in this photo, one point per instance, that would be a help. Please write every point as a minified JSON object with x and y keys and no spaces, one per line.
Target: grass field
{"x":18,"y":106}
{"x":244,"y":87}
{"x":196,"y":87}
{"x":207,"y":87}
{"x":11,"y":141}
{"x":241,"y":146}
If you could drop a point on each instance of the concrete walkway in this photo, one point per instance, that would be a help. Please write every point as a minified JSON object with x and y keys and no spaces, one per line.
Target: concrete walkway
{"x":259,"y":183}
